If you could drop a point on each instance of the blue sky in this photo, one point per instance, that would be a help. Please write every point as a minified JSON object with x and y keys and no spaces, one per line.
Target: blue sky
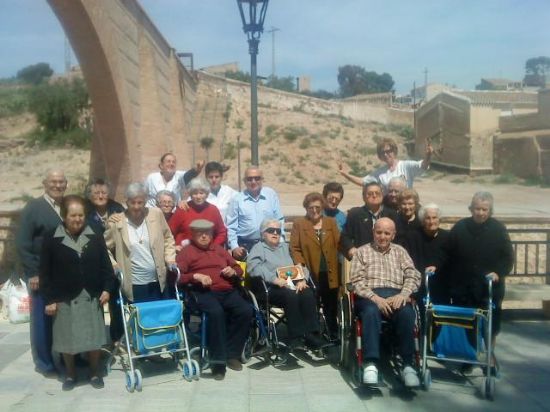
{"x":459,"y":41}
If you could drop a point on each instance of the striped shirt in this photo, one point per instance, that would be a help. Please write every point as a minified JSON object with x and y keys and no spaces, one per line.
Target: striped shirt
{"x":393,"y":268}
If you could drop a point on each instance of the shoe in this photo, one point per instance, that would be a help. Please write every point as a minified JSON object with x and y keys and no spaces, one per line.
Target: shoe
{"x":234,"y":364}
{"x":315,"y":342}
{"x":410,"y":377}
{"x":69,"y":384}
{"x":97,"y":382}
{"x":370,"y":375}
{"x":296,"y":344}
{"x":218,"y":372}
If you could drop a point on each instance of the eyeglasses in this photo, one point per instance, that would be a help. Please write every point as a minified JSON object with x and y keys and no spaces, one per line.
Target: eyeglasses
{"x":253,"y":178}
{"x":387,"y":151}
{"x":273,"y":231}
{"x":314,"y":208}
{"x":373,"y":194}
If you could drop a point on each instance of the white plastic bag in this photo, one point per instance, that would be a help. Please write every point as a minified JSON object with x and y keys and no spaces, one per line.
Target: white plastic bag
{"x":19,"y":303}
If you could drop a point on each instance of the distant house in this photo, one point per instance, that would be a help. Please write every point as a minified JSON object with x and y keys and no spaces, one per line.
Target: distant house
{"x":499,"y":84}
{"x":429,"y":91}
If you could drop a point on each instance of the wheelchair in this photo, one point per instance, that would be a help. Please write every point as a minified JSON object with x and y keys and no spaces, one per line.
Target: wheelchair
{"x":264,"y":340}
{"x":351,"y":345}
{"x":457,"y":334}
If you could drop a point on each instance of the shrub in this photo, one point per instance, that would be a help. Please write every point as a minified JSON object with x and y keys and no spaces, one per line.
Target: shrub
{"x":13,"y":101}
{"x":239,"y":123}
{"x":291,"y":133}
{"x":230,"y":151}
{"x":270,"y":129}
{"x":79,"y":138}
{"x":304,"y":143}
{"x":59,"y":106}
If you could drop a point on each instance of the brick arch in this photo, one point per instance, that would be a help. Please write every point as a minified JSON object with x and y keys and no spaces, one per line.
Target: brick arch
{"x":141,"y":94}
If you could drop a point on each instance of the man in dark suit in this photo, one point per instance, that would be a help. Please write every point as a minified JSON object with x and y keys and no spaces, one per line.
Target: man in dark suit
{"x":360,"y":222}
{"x":40,"y":216}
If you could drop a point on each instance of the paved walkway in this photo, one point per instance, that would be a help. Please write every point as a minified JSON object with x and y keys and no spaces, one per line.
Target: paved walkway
{"x":305,"y":385}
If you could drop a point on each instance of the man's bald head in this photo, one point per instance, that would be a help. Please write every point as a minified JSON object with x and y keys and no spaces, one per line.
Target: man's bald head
{"x":55,"y":184}
{"x":383,"y":233}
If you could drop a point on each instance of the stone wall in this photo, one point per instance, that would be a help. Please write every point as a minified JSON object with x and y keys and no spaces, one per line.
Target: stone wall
{"x":361,"y":108}
{"x":141,"y":94}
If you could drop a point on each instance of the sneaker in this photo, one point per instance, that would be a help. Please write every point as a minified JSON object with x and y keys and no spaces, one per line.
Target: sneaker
{"x":69,"y":384}
{"x":234,"y":364}
{"x":218,"y":372}
{"x":97,"y":382}
{"x":410,"y":377}
{"x":370,"y":375}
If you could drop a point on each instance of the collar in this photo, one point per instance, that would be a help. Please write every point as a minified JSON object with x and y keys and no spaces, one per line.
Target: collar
{"x":50,"y":200}
{"x":383,"y":252}
{"x":248,"y":195}
{"x":77,"y":245}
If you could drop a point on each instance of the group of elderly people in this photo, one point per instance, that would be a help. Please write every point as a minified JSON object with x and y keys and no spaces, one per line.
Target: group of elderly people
{"x":70,"y":249}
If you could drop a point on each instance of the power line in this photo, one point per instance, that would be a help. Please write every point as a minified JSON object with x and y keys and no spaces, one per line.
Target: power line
{"x":272,"y":31}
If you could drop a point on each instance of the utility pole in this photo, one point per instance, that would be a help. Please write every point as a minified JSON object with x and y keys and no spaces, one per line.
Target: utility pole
{"x":272,"y":31}
{"x":425,"y":84}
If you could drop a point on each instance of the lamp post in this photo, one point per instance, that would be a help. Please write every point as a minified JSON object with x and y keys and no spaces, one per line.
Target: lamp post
{"x":253,"y":16}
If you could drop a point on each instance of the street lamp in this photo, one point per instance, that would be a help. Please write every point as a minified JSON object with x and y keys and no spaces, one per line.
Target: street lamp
{"x":253,"y":16}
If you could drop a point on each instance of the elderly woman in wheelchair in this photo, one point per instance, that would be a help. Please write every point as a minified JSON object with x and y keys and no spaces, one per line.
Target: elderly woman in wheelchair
{"x":383,"y":277}
{"x":269,"y":262}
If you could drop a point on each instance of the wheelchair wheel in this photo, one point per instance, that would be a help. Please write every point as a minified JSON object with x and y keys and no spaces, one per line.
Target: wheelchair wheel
{"x":279,"y":354}
{"x":252,"y":340}
{"x":139,"y":380}
{"x":203,"y":362}
{"x":130,"y":382}
{"x":488,"y":388}
{"x":344,"y":330}
{"x":427,"y":380}
{"x":188,"y":370}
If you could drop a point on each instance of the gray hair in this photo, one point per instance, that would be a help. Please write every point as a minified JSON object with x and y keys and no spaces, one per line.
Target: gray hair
{"x":161,"y":193}
{"x":52,"y":172}
{"x":398,"y":179}
{"x":483,"y":197}
{"x":425,"y":208}
{"x":134,"y":190}
{"x":266,"y":222}
{"x":196,"y":184}
{"x":97,"y":182}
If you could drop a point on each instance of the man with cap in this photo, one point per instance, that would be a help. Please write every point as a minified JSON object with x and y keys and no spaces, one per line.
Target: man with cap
{"x":213,"y":275}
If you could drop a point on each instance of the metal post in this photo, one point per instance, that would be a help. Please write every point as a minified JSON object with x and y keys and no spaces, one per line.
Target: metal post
{"x":548,"y":257}
{"x":253,"y":50}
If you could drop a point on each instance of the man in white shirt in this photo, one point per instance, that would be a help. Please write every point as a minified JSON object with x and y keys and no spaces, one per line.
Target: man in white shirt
{"x":168,"y":178}
{"x":220,"y":195}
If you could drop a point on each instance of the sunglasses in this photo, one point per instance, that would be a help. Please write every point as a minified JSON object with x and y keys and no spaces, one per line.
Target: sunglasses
{"x":273,"y":231}
{"x":253,"y":178}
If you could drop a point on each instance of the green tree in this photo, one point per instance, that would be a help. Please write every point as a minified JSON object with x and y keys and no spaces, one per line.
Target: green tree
{"x":282,"y":83}
{"x":535,"y":71}
{"x":354,"y":80}
{"x":35,"y":73}
{"x":206,"y":143}
{"x":320,"y":94}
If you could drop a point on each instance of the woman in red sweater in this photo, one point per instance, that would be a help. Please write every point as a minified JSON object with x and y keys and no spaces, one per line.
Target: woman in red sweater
{"x":197,"y":208}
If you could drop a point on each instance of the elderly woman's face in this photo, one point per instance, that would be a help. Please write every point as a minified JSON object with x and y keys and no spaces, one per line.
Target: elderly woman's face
{"x":74,"y":221}
{"x":407,"y":208}
{"x":314,"y":210}
{"x":430,"y":224}
{"x":99,"y":195}
{"x":199,"y":196}
{"x":136,"y":207}
{"x":272,"y":234}
{"x":481,"y":210}
{"x":166,"y":203}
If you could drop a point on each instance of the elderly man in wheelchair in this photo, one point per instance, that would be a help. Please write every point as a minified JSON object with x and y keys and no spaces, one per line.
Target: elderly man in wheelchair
{"x":383,"y":278}
{"x":213,"y":276}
